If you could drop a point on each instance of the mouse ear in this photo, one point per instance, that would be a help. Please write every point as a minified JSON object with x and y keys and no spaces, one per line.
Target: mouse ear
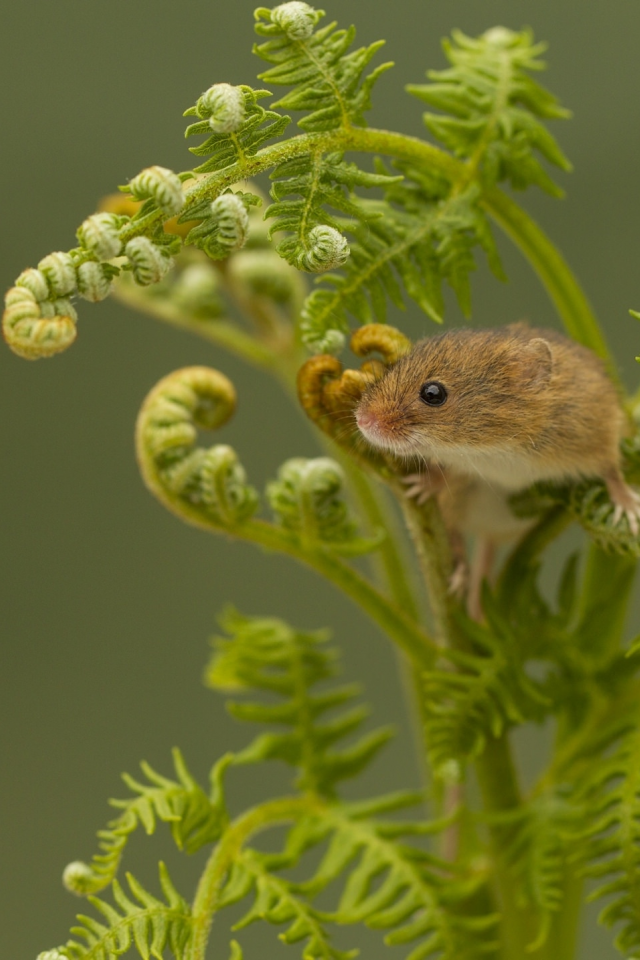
{"x":536,"y":360}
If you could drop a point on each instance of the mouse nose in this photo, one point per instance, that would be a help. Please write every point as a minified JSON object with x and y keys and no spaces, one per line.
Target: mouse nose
{"x":365,"y":419}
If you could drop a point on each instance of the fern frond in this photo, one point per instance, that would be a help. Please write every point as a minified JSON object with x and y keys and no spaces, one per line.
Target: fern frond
{"x":320,"y":182}
{"x":418,"y":237}
{"x":612,"y":844}
{"x":251,"y":127}
{"x":491,"y":108}
{"x":590,"y":505}
{"x":326,"y":76}
{"x":269,"y":656}
{"x":308,"y":498}
{"x":277,"y":902}
{"x":394,"y":886}
{"x":478,"y":695}
{"x":542,"y":844}
{"x":182,"y":803}
{"x":145,"y":923}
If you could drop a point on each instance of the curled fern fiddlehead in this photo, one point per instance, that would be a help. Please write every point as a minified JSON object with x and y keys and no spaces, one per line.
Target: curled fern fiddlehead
{"x":172,"y":466}
{"x":33,"y":329}
{"x":162,"y":186}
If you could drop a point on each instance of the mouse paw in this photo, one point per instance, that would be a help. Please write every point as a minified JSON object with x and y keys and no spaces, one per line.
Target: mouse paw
{"x":626,"y":502}
{"x":459,"y":580}
{"x":421,"y":486}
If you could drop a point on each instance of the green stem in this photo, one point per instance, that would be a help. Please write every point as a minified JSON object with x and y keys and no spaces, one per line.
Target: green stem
{"x":395,"y":622}
{"x":221,"y":332}
{"x":222,"y":858}
{"x":552,"y":269}
{"x":500,"y":794}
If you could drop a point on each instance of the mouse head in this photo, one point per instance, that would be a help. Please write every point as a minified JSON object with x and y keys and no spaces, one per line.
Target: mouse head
{"x":479,"y":388}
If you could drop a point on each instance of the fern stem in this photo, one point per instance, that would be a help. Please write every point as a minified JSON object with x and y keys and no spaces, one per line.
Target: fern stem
{"x":220,"y":332}
{"x":552,"y":269}
{"x":212,"y":880}
{"x":500,"y":793}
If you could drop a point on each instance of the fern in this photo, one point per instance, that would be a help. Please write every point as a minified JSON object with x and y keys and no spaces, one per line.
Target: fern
{"x":417,"y":237}
{"x":391,"y":885}
{"x":146,"y":923}
{"x":612,"y":843}
{"x":195,"y":820}
{"x":478,"y":695}
{"x":541,"y":851}
{"x":268,"y":655}
{"x":327,"y":79}
{"x":494,"y":108}
{"x":276,"y":902}
{"x":255,"y":126}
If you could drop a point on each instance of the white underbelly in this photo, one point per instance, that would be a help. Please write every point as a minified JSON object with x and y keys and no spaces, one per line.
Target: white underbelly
{"x":504,"y":469}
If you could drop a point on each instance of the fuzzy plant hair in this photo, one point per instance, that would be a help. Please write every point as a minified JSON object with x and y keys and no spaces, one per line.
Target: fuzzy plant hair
{"x":359,"y":221}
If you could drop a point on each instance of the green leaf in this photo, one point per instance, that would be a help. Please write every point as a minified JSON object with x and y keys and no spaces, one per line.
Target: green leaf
{"x":271,"y":657}
{"x":327,"y":78}
{"x":194,"y":820}
{"x":149,"y":925}
{"x":492,"y":109}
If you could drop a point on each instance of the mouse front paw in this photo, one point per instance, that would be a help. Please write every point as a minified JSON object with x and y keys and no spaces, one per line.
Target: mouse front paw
{"x":626,"y":502}
{"x":421,"y":486}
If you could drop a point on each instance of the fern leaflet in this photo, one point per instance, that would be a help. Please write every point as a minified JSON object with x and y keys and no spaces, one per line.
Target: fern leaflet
{"x":268,"y":655}
{"x":494,"y":106}
{"x":327,"y":79}
{"x":195,"y":820}
{"x":146,"y":923}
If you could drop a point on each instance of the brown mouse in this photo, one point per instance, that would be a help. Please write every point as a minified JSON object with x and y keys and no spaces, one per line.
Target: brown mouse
{"x":491,"y":412}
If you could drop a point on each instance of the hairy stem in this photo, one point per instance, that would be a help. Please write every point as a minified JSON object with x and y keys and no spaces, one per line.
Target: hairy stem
{"x":212,"y":880}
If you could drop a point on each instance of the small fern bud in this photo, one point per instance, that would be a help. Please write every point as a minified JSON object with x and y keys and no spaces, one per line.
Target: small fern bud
{"x":296,"y":19}
{"x":232,"y":221}
{"x":52,"y":955}
{"x":149,"y":262}
{"x":500,"y":36}
{"x":326,"y":249}
{"x":34,"y":330}
{"x":225,"y":107}
{"x":101,"y":235}
{"x":197,"y":290}
{"x":308,"y":498}
{"x":34,"y":281}
{"x":264,"y":273}
{"x":93,"y":282}
{"x":58,"y":308}
{"x":60,"y":272}
{"x":162,"y":185}
{"x":78,"y":878}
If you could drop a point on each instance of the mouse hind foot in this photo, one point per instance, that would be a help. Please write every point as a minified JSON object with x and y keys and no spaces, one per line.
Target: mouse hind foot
{"x":625,"y":499}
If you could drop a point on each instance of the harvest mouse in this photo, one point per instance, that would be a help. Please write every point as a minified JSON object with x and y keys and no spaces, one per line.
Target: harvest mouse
{"x":491,"y":412}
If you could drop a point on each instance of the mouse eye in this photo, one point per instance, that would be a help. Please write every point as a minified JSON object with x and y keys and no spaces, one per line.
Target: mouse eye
{"x":433,"y":393}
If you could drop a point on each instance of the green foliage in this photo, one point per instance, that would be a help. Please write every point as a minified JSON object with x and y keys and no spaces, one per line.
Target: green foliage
{"x":612,"y":842}
{"x":494,"y":108}
{"x":326,"y":77}
{"x":419,"y":236}
{"x":269,"y":656}
{"x":256,"y":126}
{"x":195,"y":820}
{"x":145,"y":923}
{"x":391,"y":884}
{"x":308,"y":499}
{"x":541,"y":851}
{"x":477,"y":695}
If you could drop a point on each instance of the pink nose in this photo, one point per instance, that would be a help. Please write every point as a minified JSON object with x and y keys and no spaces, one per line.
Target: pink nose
{"x":365,"y":420}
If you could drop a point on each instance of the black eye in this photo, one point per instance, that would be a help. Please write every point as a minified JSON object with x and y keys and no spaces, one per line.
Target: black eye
{"x":433,"y":393}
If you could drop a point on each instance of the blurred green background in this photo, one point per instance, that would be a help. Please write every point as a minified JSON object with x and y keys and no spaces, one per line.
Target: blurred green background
{"x":107,"y":600}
